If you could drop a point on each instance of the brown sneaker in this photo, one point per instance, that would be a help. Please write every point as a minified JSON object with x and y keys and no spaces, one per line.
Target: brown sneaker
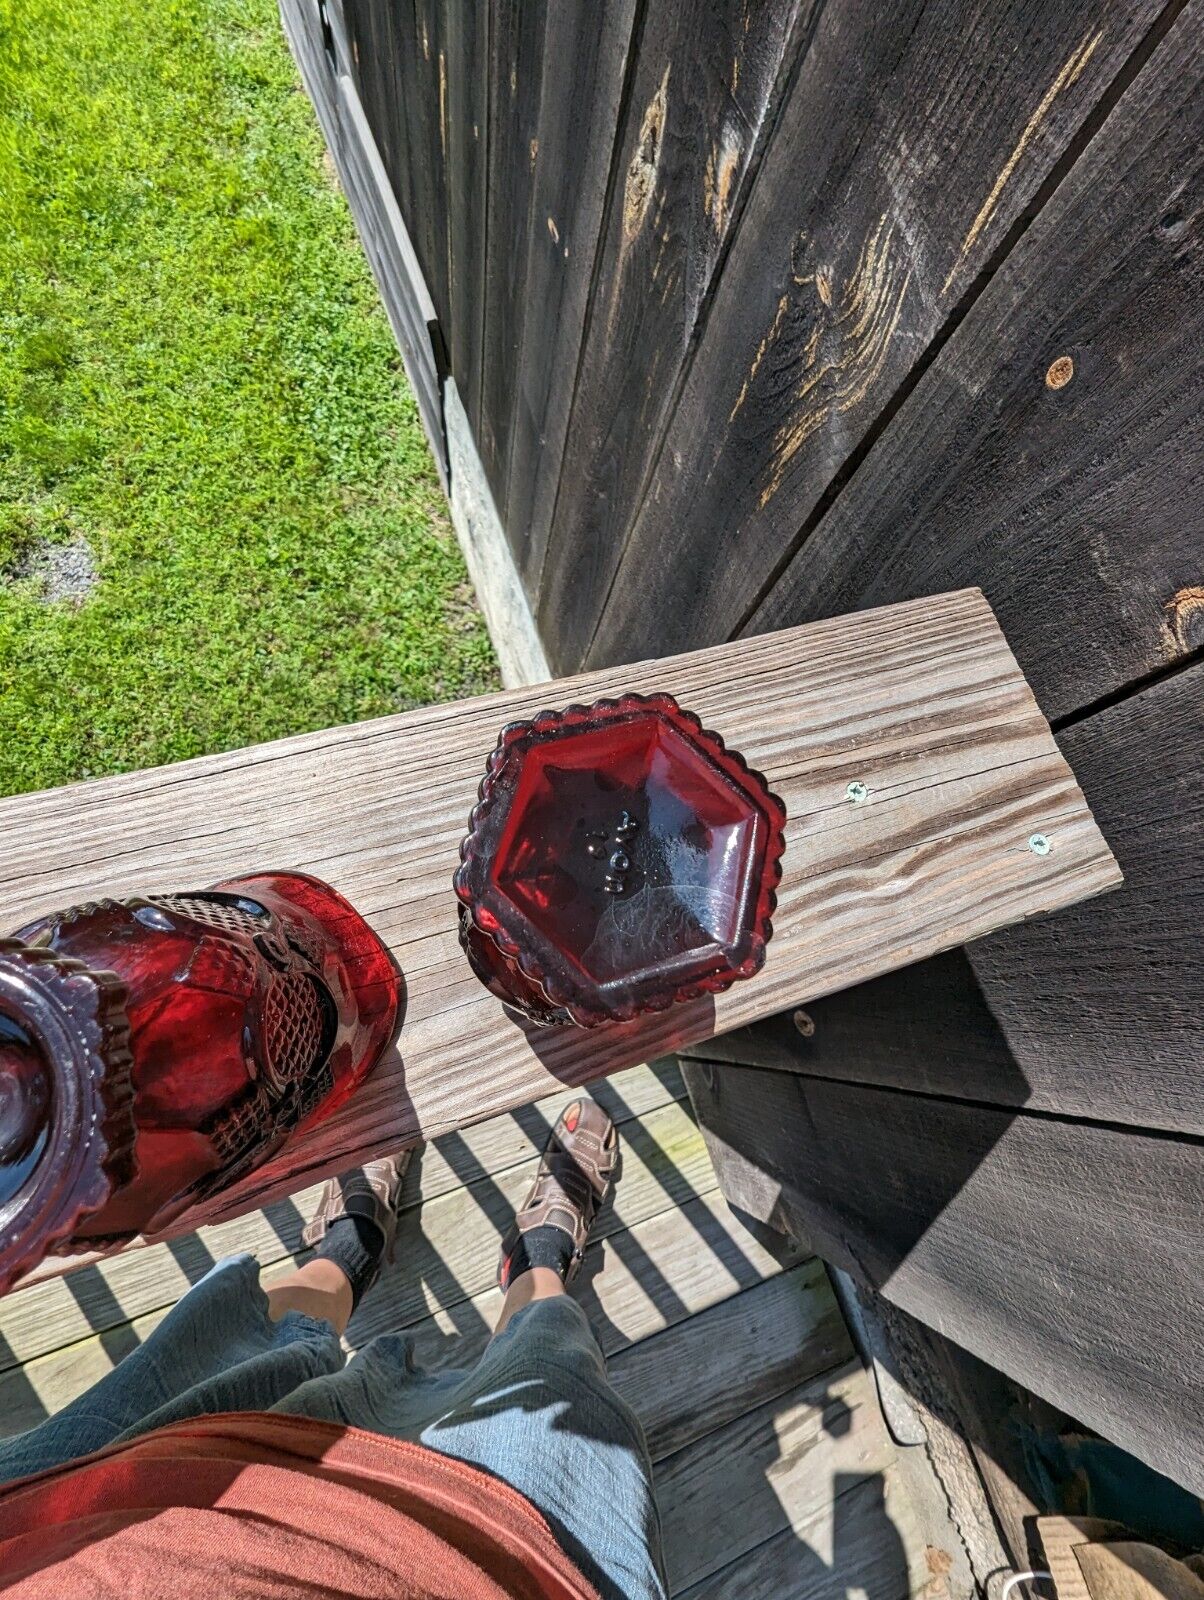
{"x":578,"y":1170}
{"x":373,"y":1192}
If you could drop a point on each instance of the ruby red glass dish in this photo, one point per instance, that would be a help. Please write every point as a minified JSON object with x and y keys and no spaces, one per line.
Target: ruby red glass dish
{"x":154,"y":1049}
{"x":620,"y":858}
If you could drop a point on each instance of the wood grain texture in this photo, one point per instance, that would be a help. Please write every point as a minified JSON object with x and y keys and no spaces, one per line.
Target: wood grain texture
{"x":1067,"y":1254}
{"x":701,"y":1374}
{"x":867,"y":1543}
{"x":466,"y":93}
{"x":1103,"y":1012}
{"x":517,"y":30}
{"x":913,"y":138}
{"x":440,"y":1258}
{"x":923,"y":703}
{"x":1100,"y":1008}
{"x":1078,"y":509}
{"x":106,"y":1293}
{"x":777,"y":1467}
{"x":401,"y":54}
{"x":634,"y":1283}
{"x":704,"y":84}
{"x":925,"y":1027}
{"x":571,"y":153}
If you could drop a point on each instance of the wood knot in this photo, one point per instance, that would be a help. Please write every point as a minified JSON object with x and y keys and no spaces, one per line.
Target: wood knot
{"x":641,"y":173}
{"x":1184,"y":625}
{"x":1060,"y":373}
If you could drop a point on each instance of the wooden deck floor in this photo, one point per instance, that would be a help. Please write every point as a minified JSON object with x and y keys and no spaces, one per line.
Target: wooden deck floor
{"x":775,"y":1473}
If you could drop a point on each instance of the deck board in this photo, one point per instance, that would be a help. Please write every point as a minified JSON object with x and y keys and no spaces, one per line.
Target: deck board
{"x":923,"y":703}
{"x":770,"y":1456}
{"x":60,"y":1310}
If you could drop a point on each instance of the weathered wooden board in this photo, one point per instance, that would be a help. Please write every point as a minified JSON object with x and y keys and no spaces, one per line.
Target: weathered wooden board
{"x":440,"y":1258}
{"x":636,"y":1283}
{"x":401,"y":56}
{"x":1067,"y":1254}
{"x":867,"y":1543}
{"x":1105,"y":1013}
{"x":465,"y":112}
{"x":926,"y":1028}
{"x":52,"y":1312}
{"x":1079,"y":509}
{"x":703,"y":89}
{"x":922,"y":703}
{"x":571,"y":154}
{"x":699,"y":1375}
{"x":913,"y":139}
{"x":779,"y":1466}
{"x":515,"y":78}
{"x":1100,"y":1008}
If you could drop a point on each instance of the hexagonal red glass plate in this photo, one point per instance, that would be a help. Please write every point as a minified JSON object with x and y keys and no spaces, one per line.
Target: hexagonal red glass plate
{"x":621,"y":858}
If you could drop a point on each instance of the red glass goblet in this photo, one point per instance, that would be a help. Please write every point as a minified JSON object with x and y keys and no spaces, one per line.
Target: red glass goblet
{"x":154,"y":1049}
{"x":620,"y":858}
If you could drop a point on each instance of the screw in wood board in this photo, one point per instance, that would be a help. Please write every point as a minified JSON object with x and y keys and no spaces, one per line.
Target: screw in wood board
{"x":1039,"y":844}
{"x":1060,"y":373}
{"x":805,"y":1023}
{"x":856,"y":793}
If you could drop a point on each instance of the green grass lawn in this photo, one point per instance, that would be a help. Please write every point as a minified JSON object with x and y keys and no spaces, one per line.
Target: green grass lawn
{"x":201,"y":399}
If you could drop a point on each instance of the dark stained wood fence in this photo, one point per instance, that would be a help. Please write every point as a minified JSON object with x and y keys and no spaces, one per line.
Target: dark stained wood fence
{"x":762,"y":312}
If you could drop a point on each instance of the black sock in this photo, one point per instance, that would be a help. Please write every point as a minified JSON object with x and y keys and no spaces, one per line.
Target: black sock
{"x":541,"y":1247}
{"x":356,"y":1246}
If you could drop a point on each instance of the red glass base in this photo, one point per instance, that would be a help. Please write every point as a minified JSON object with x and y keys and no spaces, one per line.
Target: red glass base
{"x":620,"y":859}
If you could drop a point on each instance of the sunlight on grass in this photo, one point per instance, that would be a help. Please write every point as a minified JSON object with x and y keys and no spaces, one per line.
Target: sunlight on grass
{"x":200,"y":396}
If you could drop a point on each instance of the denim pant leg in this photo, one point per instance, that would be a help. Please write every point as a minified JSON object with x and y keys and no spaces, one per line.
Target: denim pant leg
{"x":217,"y":1350}
{"x":537,"y":1412}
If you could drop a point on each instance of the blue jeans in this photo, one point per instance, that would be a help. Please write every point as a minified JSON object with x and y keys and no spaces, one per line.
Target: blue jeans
{"x":535,"y":1411}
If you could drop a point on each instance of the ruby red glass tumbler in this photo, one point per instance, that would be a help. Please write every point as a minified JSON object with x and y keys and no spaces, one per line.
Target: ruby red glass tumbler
{"x":156,"y":1048}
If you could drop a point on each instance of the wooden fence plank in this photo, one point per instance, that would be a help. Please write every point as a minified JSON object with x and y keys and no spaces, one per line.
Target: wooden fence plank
{"x":571,"y":151}
{"x":466,"y":119}
{"x":1103,"y":1011}
{"x":406,"y":109}
{"x":1079,"y":508}
{"x":923,"y":703}
{"x":1067,"y":1254}
{"x":515,"y":80}
{"x":914,"y":137}
{"x":370,"y":195}
{"x":705,"y":81}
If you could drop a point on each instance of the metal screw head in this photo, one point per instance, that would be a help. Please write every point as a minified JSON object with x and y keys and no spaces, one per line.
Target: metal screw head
{"x":856,"y":792}
{"x":805,"y":1024}
{"x":1039,"y":844}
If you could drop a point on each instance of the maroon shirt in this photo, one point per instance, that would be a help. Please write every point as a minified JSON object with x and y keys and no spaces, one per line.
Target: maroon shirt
{"x":272,"y":1507}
